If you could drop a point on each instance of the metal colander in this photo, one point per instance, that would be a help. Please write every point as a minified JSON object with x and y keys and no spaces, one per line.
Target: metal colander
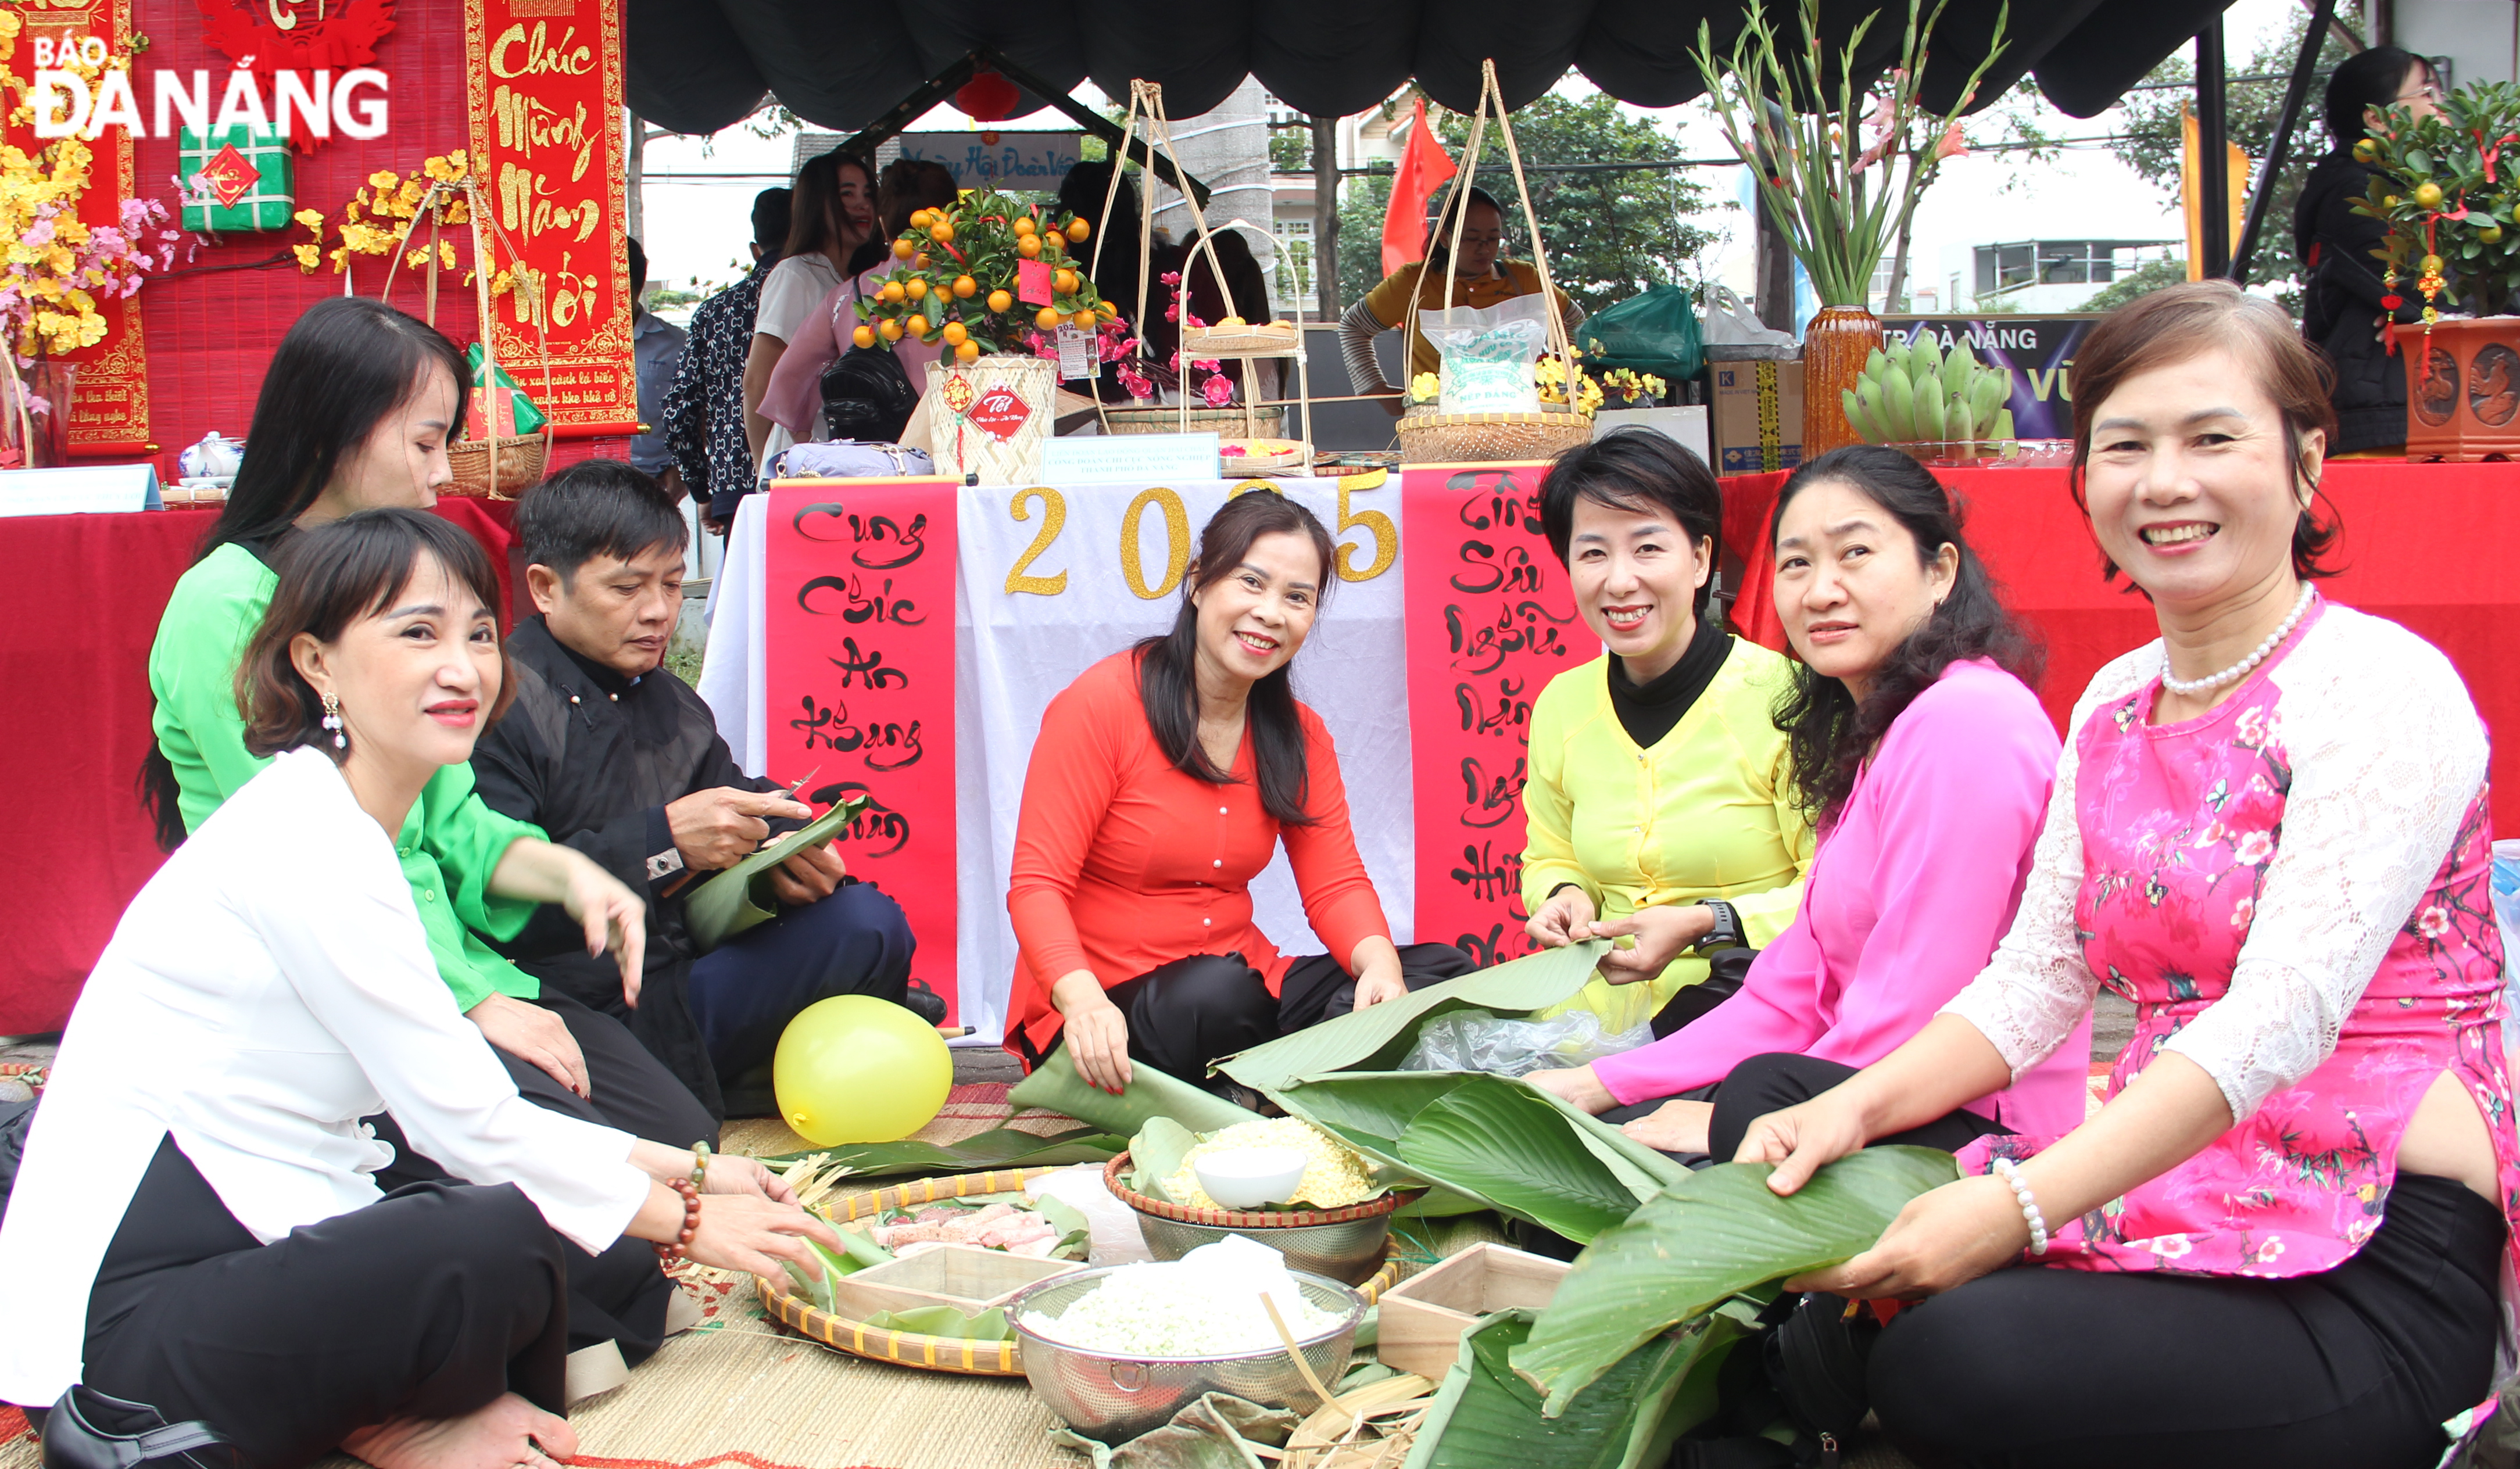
{"x":1349,"y":1251}
{"x":1114,"y":1398}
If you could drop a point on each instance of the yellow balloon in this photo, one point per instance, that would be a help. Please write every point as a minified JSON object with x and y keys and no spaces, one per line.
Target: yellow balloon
{"x":857,"y":1069}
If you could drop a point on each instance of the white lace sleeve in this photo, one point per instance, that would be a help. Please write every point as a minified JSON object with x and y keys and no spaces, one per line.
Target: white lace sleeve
{"x":2387,"y":756}
{"x":2036,"y":988}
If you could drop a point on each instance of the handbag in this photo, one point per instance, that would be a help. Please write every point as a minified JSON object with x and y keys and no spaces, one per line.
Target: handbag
{"x":75,"y":1437}
{"x":1726,"y":968}
{"x":867,"y":394}
{"x":1793,"y":1399}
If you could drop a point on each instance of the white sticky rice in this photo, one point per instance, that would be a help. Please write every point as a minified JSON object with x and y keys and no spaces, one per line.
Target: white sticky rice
{"x":1205,"y":1303}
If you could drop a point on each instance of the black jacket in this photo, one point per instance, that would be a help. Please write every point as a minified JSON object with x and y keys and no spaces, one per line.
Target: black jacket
{"x":594,"y":758}
{"x":2340,"y":306}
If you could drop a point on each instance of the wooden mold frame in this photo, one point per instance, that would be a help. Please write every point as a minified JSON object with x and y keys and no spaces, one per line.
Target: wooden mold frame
{"x":1424,"y":1317}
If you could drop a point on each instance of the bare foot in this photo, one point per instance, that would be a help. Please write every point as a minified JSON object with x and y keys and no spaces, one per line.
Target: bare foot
{"x":508,"y":1432}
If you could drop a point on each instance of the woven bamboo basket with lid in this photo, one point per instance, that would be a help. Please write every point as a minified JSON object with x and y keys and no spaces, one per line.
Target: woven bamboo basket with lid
{"x":909,"y":1348}
{"x":1437,"y":438}
{"x":505,"y":466}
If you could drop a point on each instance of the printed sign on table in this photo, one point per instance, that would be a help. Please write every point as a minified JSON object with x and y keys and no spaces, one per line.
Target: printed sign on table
{"x":1491,"y":621}
{"x":858,"y":639}
{"x":544,"y":84}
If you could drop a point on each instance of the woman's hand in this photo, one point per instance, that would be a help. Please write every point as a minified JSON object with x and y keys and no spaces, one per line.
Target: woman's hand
{"x":532,"y":1034}
{"x":1095,"y":1032}
{"x":1374,"y":988}
{"x":1375,"y":964}
{"x":1942,"y":1239}
{"x":1675,"y":1126}
{"x":1577,"y":1086}
{"x":743,"y":1232}
{"x":1661,"y":935}
{"x":615,"y":919}
{"x":735,"y":1174}
{"x":1803,"y":1139}
{"x":1555,"y":926}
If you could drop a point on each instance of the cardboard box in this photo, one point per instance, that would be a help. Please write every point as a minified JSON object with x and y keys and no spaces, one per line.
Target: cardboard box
{"x":1424,"y":1317}
{"x":1757,"y":416}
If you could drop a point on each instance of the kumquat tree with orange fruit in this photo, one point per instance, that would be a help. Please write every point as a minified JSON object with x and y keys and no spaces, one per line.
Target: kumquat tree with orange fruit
{"x":961,"y":279}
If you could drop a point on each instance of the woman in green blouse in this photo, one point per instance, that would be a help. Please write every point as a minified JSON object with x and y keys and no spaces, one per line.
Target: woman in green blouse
{"x":1660,"y":802}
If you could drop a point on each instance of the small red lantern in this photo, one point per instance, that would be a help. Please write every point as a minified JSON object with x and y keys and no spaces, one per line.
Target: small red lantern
{"x":988,"y":98}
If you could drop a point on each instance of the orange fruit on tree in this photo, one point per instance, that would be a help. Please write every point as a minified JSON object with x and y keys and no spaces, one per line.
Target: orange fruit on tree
{"x":1085,"y":319}
{"x":1024,"y":226}
{"x":964,"y":287}
{"x":954,"y":332}
{"x":920,"y":219}
{"x":903,"y":249}
{"x":888,"y":328}
{"x":1078,"y":229}
{"x":1066,"y":282}
{"x":916,"y":288}
{"x":1029,"y":247}
{"x":1048,"y":318}
{"x":891,"y":292}
{"x":1001,"y":301}
{"x":942,"y":231}
{"x":917,"y":326}
{"x":919,"y":260}
{"x":1110,"y":312}
{"x":864,"y":336}
{"x":968,"y":351}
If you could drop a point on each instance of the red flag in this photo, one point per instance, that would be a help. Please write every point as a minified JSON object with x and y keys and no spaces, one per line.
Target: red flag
{"x":1423,"y":167}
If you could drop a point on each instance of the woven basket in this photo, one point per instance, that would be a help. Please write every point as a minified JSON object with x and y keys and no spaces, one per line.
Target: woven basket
{"x":936,"y":1354}
{"x":1199,"y":343}
{"x":1228,"y":421}
{"x":1454,"y":438}
{"x":521,"y":458}
{"x":1115,"y":1172}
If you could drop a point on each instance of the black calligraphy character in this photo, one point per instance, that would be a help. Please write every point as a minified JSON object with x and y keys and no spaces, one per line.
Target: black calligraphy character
{"x":882,"y":528}
{"x":824,"y":725}
{"x":892,"y":738}
{"x":1486,"y":576}
{"x":830,"y":508}
{"x":1504,"y":504}
{"x":866,"y":666}
{"x":1490,"y":801}
{"x":1489,"y":878}
{"x":1483,"y":951}
{"x":883,"y":607}
{"x":876,"y":823}
{"x":1479,"y":645}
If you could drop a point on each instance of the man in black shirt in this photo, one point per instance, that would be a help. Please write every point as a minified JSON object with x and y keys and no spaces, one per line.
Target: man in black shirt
{"x":619,"y":759}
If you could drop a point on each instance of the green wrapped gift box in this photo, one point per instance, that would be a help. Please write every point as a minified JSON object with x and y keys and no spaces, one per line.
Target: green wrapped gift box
{"x":239,"y":177}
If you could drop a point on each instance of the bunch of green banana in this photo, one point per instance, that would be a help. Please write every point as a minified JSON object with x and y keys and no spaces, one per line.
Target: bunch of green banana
{"x":1915,"y":393}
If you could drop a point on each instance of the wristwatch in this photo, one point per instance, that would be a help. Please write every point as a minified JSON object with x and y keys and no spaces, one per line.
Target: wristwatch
{"x":1726,"y":932}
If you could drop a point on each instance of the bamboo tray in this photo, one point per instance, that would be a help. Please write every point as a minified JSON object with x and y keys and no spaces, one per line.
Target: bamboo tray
{"x":1256,"y":341}
{"x":935,"y":1354}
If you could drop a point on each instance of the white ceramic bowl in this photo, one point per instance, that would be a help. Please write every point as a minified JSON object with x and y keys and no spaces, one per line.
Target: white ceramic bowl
{"x":1248,"y":1178}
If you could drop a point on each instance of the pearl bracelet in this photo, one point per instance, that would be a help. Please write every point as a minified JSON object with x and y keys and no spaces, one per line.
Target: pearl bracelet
{"x":2009,"y":1173}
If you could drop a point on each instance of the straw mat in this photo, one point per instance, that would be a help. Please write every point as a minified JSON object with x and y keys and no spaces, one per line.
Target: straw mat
{"x":968,"y":1111}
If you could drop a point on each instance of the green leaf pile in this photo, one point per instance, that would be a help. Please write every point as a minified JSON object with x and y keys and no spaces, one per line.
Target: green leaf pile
{"x":1001,"y":1147}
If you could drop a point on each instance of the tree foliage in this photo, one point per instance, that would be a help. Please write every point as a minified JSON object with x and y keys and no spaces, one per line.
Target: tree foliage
{"x":1610,"y":235}
{"x":2149,"y":144}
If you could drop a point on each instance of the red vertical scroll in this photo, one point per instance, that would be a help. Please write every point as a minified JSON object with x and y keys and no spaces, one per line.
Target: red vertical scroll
{"x":1491,"y":620}
{"x":858,"y":640}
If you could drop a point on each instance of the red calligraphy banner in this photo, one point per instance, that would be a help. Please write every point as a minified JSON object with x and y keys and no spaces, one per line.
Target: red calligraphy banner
{"x":110,"y":399}
{"x":1491,"y":620}
{"x":858,"y":686}
{"x":543,"y":80}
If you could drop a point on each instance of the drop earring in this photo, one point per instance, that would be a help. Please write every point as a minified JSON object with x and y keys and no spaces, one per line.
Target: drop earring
{"x":333,"y":720}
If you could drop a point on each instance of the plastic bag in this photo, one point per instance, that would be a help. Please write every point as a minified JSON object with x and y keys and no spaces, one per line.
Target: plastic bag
{"x":1487,"y":354}
{"x":1654,"y":332}
{"x":1733,"y":333}
{"x":1477,"y":1041}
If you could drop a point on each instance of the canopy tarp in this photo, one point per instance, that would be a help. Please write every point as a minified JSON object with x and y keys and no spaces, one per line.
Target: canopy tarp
{"x":698,"y":65}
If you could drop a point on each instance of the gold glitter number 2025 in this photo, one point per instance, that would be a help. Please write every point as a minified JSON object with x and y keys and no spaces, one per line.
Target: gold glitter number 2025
{"x":1385,"y":545}
{"x":1053,"y":519}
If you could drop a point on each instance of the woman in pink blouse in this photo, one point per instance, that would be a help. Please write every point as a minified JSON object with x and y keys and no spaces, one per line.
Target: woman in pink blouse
{"x":2279,"y":1241}
{"x":1924,"y":761}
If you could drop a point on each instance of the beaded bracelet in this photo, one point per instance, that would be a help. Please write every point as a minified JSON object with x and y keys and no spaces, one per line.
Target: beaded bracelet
{"x":2010,"y":1173}
{"x":700,"y":1164}
{"x":679,"y":1247}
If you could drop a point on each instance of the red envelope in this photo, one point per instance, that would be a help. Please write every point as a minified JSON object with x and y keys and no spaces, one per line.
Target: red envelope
{"x":1033,"y":283}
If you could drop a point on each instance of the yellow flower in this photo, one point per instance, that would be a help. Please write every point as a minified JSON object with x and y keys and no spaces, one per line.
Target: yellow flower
{"x":446,"y":253}
{"x":455,"y":213}
{"x":308,"y":255}
{"x":312,"y":219}
{"x":415,"y":257}
{"x":383,"y":178}
{"x":1426,"y":386}
{"x":350,"y":210}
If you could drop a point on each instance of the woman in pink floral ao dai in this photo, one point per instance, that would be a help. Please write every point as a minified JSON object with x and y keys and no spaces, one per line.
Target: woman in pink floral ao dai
{"x":2280,"y":1240}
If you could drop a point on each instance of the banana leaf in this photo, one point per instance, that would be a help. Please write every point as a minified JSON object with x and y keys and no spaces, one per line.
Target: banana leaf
{"x":1379,"y":1036}
{"x":1484,"y":1416}
{"x":1713,"y":1235}
{"x":1489,"y":1141}
{"x":1155,"y":1154}
{"x":1001,"y":1147}
{"x":944,"y":1320}
{"x":1055,"y":1085}
{"x":858,"y":1251}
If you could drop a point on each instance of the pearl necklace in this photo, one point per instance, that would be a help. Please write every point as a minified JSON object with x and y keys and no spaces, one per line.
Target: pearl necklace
{"x":2275,"y":640}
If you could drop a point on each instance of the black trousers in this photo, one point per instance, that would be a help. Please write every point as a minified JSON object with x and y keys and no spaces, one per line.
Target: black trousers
{"x":1186,"y":1014}
{"x":2354,"y":1368}
{"x":1780,"y":1079}
{"x":745,"y":991}
{"x":429,"y":1304}
{"x":619,"y":1296}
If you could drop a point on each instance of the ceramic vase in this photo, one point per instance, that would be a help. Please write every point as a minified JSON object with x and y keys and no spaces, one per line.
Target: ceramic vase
{"x":1834,"y":348}
{"x":2462,"y":389}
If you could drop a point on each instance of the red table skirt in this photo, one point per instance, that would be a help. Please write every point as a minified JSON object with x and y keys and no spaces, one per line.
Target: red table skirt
{"x":2426,"y":545}
{"x":77,"y":719}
